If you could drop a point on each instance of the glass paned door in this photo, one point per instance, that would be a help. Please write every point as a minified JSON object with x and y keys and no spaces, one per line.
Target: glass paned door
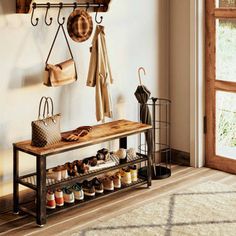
{"x":226,"y":124}
{"x":226,"y":3}
{"x":226,"y":49}
{"x":221,"y":84}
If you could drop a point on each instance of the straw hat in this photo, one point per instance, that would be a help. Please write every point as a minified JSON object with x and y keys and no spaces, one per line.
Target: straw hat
{"x":79,"y":25}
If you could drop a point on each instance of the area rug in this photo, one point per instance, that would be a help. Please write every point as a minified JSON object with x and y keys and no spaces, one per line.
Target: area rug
{"x":206,"y":209}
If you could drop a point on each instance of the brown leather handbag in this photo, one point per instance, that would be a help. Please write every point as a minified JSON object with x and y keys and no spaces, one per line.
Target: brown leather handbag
{"x":62,"y":73}
{"x":46,"y":130}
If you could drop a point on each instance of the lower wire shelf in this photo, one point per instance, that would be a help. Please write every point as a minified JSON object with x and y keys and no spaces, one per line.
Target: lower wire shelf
{"x":30,"y":207}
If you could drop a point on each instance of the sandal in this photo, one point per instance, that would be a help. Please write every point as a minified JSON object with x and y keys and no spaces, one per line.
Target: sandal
{"x":77,"y":133}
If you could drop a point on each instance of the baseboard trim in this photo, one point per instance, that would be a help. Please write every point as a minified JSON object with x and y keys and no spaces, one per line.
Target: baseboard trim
{"x":180,"y":157}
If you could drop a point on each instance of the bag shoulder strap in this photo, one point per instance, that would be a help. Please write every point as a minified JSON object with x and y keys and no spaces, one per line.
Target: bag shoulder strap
{"x":52,"y":107}
{"x":54,"y":40}
{"x":40,"y":106}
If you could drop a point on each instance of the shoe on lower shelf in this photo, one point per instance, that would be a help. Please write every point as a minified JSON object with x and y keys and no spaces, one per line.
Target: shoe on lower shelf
{"x":134,"y":173}
{"x":68,"y":196}
{"x":50,"y":200}
{"x":126,"y":176}
{"x":98,"y":185}
{"x":88,"y":188}
{"x":117,"y":180}
{"x":108,"y":183}
{"x":78,"y":192}
{"x":59,"y":197}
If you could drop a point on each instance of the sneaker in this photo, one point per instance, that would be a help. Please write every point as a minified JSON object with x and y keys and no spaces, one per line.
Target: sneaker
{"x":54,"y":173}
{"x":59,"y":197}
{"x":103,"y":154}
{"x":68,"y":196}
{"x":97,"y":185}
{"x":122,"y":155}
{"x":108,"y":183}
{"x":64,"y":172}
{"x":82,"y":167}
{"x":89,"y":189}
{"x":117,"y":180}
{"x":131,"y":153}
{"x":134,"y":173}
{"x":126,"y":176}
{"x":50,"y":200}
{"x":78,"y":192}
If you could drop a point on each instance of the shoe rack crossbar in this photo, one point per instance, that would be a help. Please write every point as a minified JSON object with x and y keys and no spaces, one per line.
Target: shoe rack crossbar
{"x":38,"y":181}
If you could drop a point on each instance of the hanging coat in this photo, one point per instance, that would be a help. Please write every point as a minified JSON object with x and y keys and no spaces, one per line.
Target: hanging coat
{"x":99,"y":74}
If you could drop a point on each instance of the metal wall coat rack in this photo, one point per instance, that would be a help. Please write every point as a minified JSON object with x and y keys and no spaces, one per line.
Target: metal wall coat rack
{"x":47,"y":6}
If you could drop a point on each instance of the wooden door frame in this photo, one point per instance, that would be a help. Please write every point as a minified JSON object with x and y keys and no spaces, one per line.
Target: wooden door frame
{"x":212,"y":160}
{"x":197,"y":82}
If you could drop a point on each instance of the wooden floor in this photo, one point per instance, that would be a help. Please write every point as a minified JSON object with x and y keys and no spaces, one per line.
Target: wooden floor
{"x":182,"y":177}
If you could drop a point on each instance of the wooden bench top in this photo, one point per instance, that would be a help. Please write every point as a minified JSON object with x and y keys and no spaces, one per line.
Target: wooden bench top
{"x":100,"y":133}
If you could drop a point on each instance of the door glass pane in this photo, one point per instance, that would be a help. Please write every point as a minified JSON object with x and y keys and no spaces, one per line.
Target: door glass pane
{"x":226,"y":124}
{"x":226,"y":50}
{"x":225,"y":3}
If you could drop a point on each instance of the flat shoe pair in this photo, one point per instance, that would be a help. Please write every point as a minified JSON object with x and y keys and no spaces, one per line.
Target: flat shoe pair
{"x":76,"y":134}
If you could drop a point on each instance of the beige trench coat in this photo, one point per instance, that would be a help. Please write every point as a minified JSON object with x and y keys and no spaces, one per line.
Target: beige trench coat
{"x":99,"y":75}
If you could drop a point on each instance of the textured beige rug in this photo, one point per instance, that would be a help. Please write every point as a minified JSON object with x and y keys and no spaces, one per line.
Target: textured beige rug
{"x":206,"y":209}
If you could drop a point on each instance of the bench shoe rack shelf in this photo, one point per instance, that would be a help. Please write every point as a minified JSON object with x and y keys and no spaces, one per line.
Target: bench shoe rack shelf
{"x":38,"y":181}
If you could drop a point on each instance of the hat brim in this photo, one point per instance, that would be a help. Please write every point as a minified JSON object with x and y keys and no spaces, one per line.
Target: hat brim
{"x":75,"y":13}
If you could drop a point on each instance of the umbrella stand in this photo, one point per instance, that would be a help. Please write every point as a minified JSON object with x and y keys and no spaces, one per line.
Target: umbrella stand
{"x":160,"y":142}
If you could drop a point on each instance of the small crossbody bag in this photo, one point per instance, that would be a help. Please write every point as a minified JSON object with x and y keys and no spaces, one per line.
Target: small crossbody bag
{"x":62,"y":73}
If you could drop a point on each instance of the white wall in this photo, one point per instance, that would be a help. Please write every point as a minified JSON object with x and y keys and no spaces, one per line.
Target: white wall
{"x":137,"y":35}
{"x":180,"y":74}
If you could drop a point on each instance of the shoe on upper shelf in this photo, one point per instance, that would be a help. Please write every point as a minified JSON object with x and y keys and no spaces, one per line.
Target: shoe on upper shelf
{"x":68,"y":195}
{"x":103,"y":154}
{"x":131,"y":153}
{"x":59,"y":197}
{"x":108,"y":183}
{"x":54,"y":173}
{"x":98,"y":185}
{"x":82,"y":166}
{"x":78,"y":191}
{"x":122,"y":155}
{"x":50,"y":200}
{"x":88,"y":188}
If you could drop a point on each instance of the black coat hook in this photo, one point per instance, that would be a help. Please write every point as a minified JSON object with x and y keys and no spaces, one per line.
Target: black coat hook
{"x":58,"y":16}
{"x":50,"y":19}
{"x":88,"y":5}
{"x":101,"y":18}
{"x":75,"y":5}
{"x":37,"y":19}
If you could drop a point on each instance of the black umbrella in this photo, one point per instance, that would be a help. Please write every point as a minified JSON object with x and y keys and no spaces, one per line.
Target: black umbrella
{"x":143,"y":94}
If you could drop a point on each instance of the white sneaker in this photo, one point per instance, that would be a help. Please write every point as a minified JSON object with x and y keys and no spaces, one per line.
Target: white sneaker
{"x":68,"y":196}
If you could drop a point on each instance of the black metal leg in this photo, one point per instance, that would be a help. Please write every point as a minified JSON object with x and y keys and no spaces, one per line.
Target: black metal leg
{"x":149,"y":171}
{"x":149,"y":164}
{"x":15,"y":184}
{"x":123,"y":142}
{"x":41,"y":190}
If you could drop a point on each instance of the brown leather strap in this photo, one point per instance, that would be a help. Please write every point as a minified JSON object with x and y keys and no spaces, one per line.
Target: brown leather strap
{"x":54,"y":40}
{"x":45,"y":105}
{"x":52,"y":107}
{"x":40,"y":105}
